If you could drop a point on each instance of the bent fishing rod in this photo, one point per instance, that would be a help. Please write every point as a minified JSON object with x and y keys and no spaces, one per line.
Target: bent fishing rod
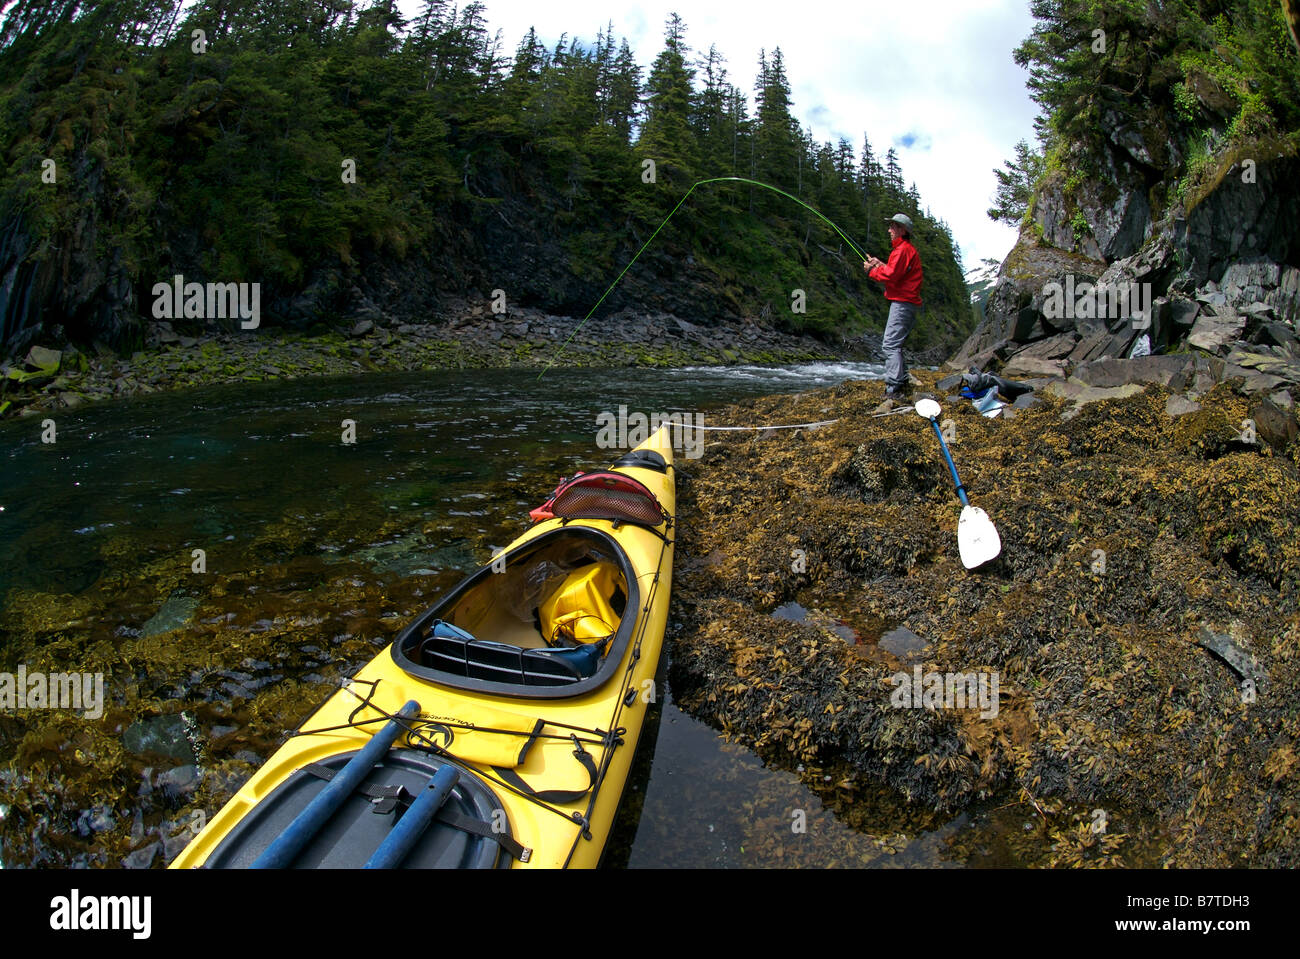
{"x":717,"y":179}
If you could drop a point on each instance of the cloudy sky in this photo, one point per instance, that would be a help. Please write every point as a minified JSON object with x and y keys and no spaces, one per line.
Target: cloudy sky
{"x":932,"y":78}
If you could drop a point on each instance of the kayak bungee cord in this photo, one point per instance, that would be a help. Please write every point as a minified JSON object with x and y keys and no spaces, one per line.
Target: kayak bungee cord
{"x":716,"y":179}
{"x":417,"y":739}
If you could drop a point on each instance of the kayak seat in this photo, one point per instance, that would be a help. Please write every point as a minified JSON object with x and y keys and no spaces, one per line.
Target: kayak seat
{"x":584,"y":659}
{"x":450,"y":648}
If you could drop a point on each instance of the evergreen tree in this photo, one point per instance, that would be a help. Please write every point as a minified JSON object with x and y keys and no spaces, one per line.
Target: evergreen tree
{"x":777,"y":138}
{"x":893,"y":180}
{"x":1016,"y":184}
{"x":667,"y":136}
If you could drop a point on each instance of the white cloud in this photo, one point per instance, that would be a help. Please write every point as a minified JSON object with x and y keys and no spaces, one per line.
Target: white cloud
{"x":939,"y":71}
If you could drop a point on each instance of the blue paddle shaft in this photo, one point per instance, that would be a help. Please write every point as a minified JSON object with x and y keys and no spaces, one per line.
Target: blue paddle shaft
{"x":415,"y":820}
{"x":286,"y":846}
{"x":961,"y":490}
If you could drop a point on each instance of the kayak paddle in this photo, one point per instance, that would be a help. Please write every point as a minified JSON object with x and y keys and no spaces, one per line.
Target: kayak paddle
{"x":977,"y":537}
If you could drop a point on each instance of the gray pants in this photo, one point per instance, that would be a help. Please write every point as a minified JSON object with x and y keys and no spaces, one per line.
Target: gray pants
{"x":902,"y":317}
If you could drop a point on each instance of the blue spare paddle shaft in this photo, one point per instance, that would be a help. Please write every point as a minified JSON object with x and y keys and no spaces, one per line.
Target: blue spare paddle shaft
{"x":415,"y":820}
{"x":286,"y":846}
{"x":952,"y":468}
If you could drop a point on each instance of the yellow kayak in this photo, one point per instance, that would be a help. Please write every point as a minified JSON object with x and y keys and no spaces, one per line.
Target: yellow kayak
{"x":498,"y":729}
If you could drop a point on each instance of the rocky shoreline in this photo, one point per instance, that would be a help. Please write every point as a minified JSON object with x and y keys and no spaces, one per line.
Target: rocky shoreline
{"x":1142,"y":618}
{"x":469,"y":337}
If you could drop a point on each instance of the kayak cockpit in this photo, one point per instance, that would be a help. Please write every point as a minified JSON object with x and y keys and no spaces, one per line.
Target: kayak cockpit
{"x":551,"y":619}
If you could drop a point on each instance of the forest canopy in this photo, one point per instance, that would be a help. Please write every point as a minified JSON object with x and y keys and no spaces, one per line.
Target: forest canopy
{"x":222,"y":155}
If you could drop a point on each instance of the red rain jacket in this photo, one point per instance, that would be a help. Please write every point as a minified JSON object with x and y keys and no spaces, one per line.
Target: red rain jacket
{"x":902,"y":274}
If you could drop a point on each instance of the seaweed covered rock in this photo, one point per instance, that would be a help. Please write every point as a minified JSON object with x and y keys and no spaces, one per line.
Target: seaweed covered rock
{"x":1128,"y":536}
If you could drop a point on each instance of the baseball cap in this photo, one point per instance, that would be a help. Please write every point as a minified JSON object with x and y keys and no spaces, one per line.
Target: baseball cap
{"x":902,"y":219}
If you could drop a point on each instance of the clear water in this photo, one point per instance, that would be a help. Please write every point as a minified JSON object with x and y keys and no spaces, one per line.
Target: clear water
{"x":464,"y":454}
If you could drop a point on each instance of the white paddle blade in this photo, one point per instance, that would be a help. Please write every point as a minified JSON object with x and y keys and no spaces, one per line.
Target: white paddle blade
{"x":927,"y":408}
{"x":977,"y":538}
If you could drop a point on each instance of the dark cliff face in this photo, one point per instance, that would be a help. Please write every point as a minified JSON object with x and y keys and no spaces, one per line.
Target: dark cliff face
{"x":1172,"y":164}
{"x":1230,"y":245}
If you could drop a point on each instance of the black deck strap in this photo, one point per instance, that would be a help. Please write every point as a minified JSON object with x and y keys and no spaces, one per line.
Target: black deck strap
{"x":478,"y":827}
{"x":389,"y":797}
{"x":528,"y":743}
{"x":554,"y":795}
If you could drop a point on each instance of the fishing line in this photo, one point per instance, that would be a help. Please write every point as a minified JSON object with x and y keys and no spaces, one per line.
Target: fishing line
{"x":716,"y":179}
{"x":795,"y":426}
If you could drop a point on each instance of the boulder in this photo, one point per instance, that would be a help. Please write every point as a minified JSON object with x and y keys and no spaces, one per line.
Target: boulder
{"x":1182,"y":315}
{"x":1285,"y":367}
{"x":1213,"y":299}
{"x":1274,"y":424}
{"x":1113,"y":372}
{"x":1081,"y":394}
{"x":1025,"y":273}
{"x":1021,"y":365}
{"x":982,"y":359}
{"x":1251,"y":380}
{"x":1178,"y":405}
{"x":41,"y":358}
{"x":1053,"y":348}
{"x":1090,"y":347}
{"x":1275,"y":334}
{"x":1028,"y":326}
{"x":1198,"y":376}
{"x":1121,"y":338}
{"x":1214,"y":333}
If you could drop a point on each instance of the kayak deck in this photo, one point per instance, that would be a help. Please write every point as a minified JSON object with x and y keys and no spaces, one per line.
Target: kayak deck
{"x":529,"y":681}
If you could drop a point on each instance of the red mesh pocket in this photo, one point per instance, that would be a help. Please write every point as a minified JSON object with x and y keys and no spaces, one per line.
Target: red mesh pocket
{"x":610,"y":496}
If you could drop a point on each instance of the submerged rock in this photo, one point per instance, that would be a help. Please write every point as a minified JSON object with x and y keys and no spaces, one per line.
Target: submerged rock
{"x":162,"y":735}
{"x":173,"y":614}
{"x":902,"y":642}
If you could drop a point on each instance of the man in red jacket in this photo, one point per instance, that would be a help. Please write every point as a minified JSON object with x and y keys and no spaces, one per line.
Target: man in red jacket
{"x":902,"y":279}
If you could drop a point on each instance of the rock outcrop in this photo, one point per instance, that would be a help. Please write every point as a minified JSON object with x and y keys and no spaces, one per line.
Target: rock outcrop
{"x":1215,"y":281}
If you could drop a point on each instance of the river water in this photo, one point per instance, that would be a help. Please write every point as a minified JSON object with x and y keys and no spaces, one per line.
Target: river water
{"x":99,"y":526}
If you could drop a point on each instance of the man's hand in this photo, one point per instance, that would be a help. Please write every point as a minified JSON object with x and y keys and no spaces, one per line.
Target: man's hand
{"x":871,"y":263}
